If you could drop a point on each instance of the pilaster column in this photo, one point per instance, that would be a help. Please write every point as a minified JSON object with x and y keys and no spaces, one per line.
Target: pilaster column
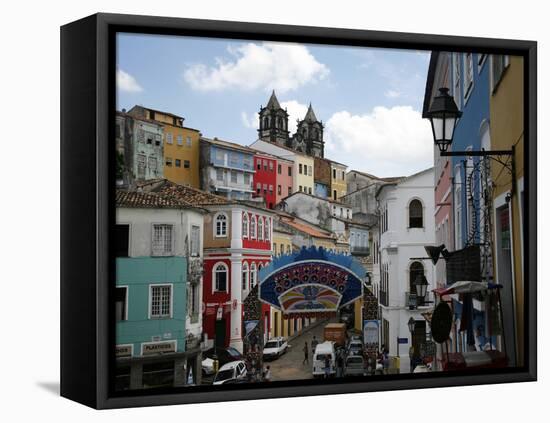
{"x":235,"y":339}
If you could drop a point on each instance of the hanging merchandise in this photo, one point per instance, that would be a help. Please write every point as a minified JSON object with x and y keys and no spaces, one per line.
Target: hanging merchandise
{"x":466,"y":320}
{"x":493,"y":313}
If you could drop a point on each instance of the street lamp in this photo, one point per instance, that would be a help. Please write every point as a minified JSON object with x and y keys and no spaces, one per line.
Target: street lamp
{"x":443,"y":116}
{"x":421,"y":286}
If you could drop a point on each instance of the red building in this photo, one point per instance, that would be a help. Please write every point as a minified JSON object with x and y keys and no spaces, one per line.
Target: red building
{"x":237,"y":243}
{"x":265,"y":178}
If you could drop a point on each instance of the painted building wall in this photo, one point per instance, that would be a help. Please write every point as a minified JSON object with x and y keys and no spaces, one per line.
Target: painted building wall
{"x":507,"y":130}
{"x":338,"y":185}
{"x":283,"y":179}
{"x":181,"y":155}
{"x":138,"y":274}
{"x":474,"y":104}
{"x":321,"y":190}
{"x":265,"y":179}
{"x":399,"y":246}
{"x":226,"y":171}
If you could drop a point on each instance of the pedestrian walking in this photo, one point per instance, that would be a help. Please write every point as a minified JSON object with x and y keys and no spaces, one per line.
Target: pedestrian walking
{"x":267,"y":376}
{"x":314,"y":343}
{"x":327,"y":366}
{"x":386,"y":360}
{"x":306,"y":354}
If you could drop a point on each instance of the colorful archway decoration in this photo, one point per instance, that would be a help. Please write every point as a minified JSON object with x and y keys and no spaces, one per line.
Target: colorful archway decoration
{"x":311,"y":281}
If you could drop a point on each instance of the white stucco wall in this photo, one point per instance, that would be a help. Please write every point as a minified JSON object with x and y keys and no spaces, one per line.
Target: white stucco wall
{"x":399,"y":245}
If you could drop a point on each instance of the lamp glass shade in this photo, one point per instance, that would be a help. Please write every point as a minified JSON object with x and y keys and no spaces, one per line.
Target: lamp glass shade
{"x":443,"y":115}
{"x":421,"y":285}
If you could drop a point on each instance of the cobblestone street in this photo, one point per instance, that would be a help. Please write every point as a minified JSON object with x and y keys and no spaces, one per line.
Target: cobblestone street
{"x":290,"y":366}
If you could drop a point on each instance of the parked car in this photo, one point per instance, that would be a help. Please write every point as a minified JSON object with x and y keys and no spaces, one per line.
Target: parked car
{"x":322,"y":351}
{"x":355,"y":347}
{"x":354,"y":365}
{"x":224,"y":356}
{"x":231,"y":373}
{"x":275,"y":347}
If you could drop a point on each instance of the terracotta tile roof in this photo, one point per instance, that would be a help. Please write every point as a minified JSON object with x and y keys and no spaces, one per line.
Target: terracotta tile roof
{"x":187,"y":194}
{"x":135,"y":199}
{"x":317,"y":233}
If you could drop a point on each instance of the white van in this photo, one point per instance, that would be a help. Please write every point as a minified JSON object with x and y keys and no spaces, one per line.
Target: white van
{"x":321,"y":352}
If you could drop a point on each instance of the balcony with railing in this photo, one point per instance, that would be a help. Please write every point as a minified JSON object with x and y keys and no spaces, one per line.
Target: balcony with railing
{"x":383,"y":298}
{"x":359,"y":250}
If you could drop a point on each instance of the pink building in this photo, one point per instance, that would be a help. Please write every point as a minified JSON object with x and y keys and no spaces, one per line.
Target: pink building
{"x":283,"y":179}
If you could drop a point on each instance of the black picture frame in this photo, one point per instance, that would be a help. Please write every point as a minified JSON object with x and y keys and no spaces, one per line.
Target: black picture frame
{"x":87,"y":207}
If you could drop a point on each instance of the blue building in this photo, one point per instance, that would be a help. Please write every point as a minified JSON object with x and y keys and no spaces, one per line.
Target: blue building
{"x":321,"y":190}
{"x":226,"y":169}
{"x":470,"y":89}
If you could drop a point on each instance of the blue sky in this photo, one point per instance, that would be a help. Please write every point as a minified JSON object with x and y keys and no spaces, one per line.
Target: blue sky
{"x":369,"y":99}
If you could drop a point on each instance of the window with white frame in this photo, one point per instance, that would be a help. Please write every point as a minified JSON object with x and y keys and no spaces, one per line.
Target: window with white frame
{"x":261,"y":228}
{"x":160,"y":301}
{"x":247,"y":179}
{"x":180,"y":139}
{"x":253,"y":227}
{"x":416,"y":214}
{"x":468,"y":74}
{"x":456,"y":80}
{"x":499,"y":63}
{"x":245,"y":225}
{"x":233,"y":176}
{"x":267,"y":230}
{"x":220,"y":223}
{"x":219,"y":174}
{"x":163,"y":239}
{"x":189,"y":142}
{"x":458,"y":209}
{"x":253,"y":275}
{"x":220,"y":277}
{"x":245,"y":277}
{"x":169,"y":138}
{"x":195,"y":240}
{"x":480,"y":61}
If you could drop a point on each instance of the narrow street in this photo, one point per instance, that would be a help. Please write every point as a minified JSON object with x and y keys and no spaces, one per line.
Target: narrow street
{"x":290,"y":366}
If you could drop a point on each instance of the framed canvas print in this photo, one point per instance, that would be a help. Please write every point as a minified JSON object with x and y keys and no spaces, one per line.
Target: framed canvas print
{"x":259,"y":211}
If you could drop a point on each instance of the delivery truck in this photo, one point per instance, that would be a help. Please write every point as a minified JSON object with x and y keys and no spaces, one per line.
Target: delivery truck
{"x":336,"y":332}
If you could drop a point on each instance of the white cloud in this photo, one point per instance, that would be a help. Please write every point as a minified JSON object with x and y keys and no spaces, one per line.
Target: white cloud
{"x":386,"y":142}
{"x":250,"y":121}
{"x":392,"y":94}
{"x":295,"y":111}
{"x":280,"y":66}
{"x":126,"y":82}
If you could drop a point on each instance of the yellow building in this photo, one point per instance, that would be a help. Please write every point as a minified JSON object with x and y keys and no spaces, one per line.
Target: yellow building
{"x":282,"y":242}
{"x":338,"y":185}
{"x":181,"y":146}
{"x":506,"y":132}
{"x":303,"y":174}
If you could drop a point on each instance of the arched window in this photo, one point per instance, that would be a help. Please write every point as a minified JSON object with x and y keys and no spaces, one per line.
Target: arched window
{"x":253,"y":275}
{"x":245,"y":225}
{"x":274,"y":249}
{"x":267,"y":230}
{"x":245,"y":277}
{"x":416,"y":269}
{"x":220,"y":222}
{"x":253,"y":227}
{"x":220,"y":277}
{"x":415,"y":214}
{"x":266,"y":122}
{"x":260,"y":228}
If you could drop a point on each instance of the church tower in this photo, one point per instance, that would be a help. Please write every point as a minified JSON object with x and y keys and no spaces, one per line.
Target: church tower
{"x":310,"y":134}
{"x":273,"y":122}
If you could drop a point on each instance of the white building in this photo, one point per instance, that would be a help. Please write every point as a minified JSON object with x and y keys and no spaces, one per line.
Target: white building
{"x":406,"y":209}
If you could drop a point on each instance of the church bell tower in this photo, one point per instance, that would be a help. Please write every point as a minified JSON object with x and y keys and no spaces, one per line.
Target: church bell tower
{"x":273,"y":122}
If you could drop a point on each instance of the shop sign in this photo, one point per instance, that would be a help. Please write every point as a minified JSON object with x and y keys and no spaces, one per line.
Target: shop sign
{"x":123,"y":351}
{"x":158,"y":348}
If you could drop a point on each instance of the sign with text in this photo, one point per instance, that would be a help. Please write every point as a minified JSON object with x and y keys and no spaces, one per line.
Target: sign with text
{"x":370,"y":332}
{"x":158,"y":348}
{"x":123,"y":351}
